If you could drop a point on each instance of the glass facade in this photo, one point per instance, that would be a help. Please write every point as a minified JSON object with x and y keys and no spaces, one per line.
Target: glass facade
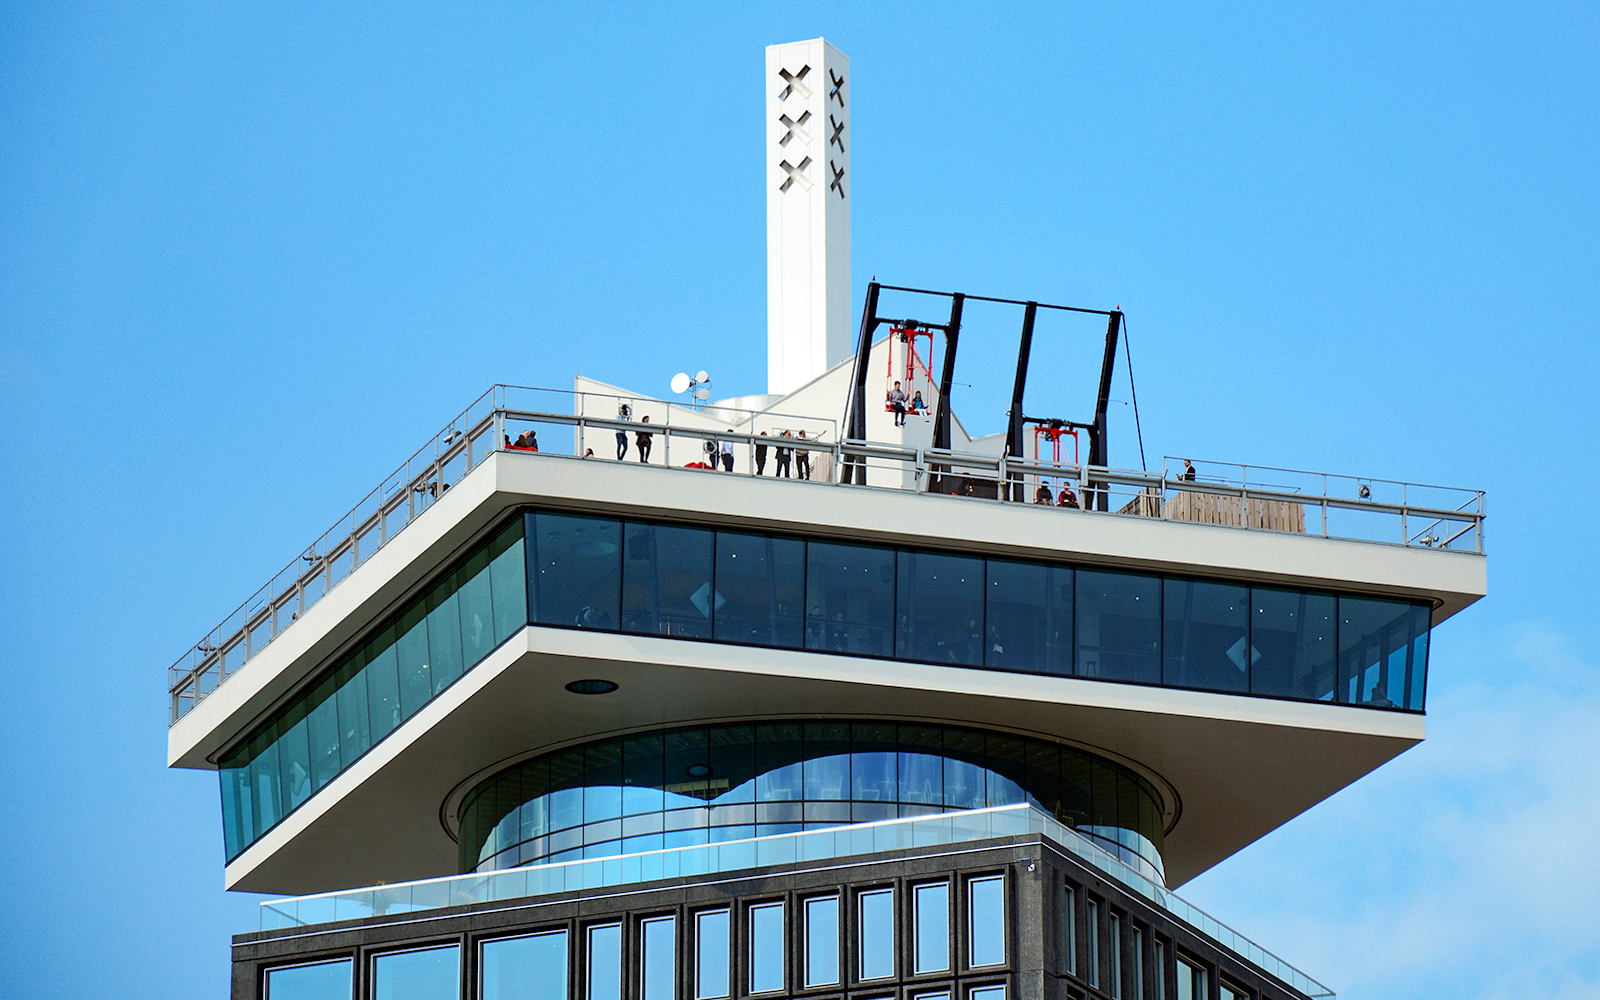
{"x":705,"y":784}
{"x":412,"y":656}
{"x":426,"y":974}
{"x":698,"y":583}
{"x":524,"y":968}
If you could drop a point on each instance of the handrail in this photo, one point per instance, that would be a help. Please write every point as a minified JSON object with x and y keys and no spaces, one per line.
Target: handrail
{"x":481,"y":429}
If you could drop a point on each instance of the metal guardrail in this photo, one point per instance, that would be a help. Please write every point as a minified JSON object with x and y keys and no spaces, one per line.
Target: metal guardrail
{"x":1018,"y":819}
{"x":1347,"y":507}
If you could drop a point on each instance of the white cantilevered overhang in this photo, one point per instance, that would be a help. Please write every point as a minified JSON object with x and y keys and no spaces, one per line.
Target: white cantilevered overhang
{"x":1234,"y":767}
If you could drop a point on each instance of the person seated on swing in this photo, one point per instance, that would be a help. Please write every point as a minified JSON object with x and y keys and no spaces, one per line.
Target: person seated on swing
{"x":917,"y":405}
{"x":1043,"y":496}
{"x":1068,"y":498}
{"x":897,"y":403}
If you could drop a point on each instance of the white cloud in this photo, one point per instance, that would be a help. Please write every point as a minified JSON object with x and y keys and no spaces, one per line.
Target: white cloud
{"x":1467,"y":868}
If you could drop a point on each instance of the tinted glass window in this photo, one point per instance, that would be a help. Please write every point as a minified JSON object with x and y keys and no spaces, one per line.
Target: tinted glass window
{"x":508,"y":580}
{"x":603,"y":965}
{"x":1191,"y":982}
{"x":666,"y":580}
{"x":1029,"y":617}
{"x":324,"y":981}
{"x":822,"y":941}
{"x":444,"y":634}
{"x":477,"y":611}
{"x":986,"y":921}
{"x":711,"y":955}
{"x":766,"y":948}
{"x":658,"y":959}
{"x":932,"y":928}
{"x":525,"y":968}
{"x":1205,"y":643}
{"x":578,"y":570}
{"x":877,"y":934}
{"x":850,"y":598}
{"x":1293,"y":635}
{"x":987,"y":993}
{"x":760,"y":589}
{"x":431,"y":974}
{"x":1383,"y":652}
{"x":1118,"y":617}
{"x":939,"y":608}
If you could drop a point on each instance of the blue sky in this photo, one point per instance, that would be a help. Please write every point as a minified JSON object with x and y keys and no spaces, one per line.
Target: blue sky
{"x":250,"y":260}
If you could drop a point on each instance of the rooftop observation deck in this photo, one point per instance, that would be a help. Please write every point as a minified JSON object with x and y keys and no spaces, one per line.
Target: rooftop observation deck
{"x":1379,"y":512}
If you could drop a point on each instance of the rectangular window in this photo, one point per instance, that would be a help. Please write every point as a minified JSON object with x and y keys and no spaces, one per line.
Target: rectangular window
{"x":322,"y":981}
{"x":1136,"y":973}
{"x":1116,"y":957}
{"x":822,"y":941}
{"x":508,"y":580}
{"x":475,"y":605}
{"x":760,"y":589}
{"x":1191,"y":982}
{"x":1206,"y":637}
{"x":987,"y":993}
{"x":666,"y":580}
{"x":711,"y":955}
{"x":1161,"y":970}
{"x":524,"y":968}
{"x":986,"y":921}
{"x":1292,"y":635}
{"x":766,"y":948}
{"x":1383,"y":652}
{"x":1092,"y":945}
{"x":877,"y":934}
{"x":1028,"y":616}
{"x":1069,"y":920}
{"x":1230,"y":993}
{"x":850,"y":598}
{"x":1118,"y":633}
{"x":658,"y":978}
{"x":932,"y":927}
{"x":603,"y":965}
{"x":428,"y":974}
{"x":576,"y":564}
{"x":939,"y":608}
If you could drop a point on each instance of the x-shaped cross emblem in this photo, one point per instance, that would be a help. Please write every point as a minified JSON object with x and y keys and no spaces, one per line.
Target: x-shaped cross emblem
{"x":838,"y":131}
{"x":796,"y":175}
{"x":837,"y":184}
{"x":838,"y":85}
{"x":794,"y":81}
{"x":795,"y":126}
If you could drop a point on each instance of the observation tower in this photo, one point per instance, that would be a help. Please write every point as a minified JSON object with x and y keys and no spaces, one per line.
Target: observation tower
{"x":807,"y":693}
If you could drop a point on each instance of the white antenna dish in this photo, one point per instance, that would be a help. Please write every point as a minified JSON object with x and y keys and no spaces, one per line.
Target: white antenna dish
{"x":680,"y":383}
{"x":703,"y":395}
{"x":702,"y":377}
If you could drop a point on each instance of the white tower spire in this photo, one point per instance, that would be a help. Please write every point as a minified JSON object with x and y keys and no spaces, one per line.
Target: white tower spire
{"x":808,"y":212}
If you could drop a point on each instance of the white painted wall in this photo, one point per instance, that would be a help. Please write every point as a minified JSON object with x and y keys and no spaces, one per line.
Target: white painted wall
{"x":808,"y":212}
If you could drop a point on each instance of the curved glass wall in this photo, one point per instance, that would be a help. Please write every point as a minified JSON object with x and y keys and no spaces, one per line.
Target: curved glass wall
{"x":705,"y":784}
{"x":412,"y":656}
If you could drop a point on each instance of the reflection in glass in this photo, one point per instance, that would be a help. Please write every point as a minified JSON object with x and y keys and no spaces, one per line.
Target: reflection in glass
{"x":1092,"y":945}
{"x":822,"y":941}
{"x":939,"y":608}
{"x":711,"y":955}
{"x":986,"y":921}
{"x":323,"y":981}
{"x":987,"y":993}
{"x":430,"y":974}
{"x":1383,"y":652}
{"x":931,"y":927}
{"x":657,"y":959}
{"x":603,"y":964}
{"x":1205,"y":643}
{"x":1118,"y":618}
{"x":766,"y":948}
{"x":1292,"y":633}
{"x":576,"y":565}
{"x":877,"y":934}
{"x":1069,"y":921}
{"x":1116,"y":957}
{"x":1191,"y":981}
{"x":666,"y":580}
{"x":524,"y":968}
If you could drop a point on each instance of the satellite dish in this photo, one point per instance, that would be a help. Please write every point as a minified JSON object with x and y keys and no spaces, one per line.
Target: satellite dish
{"x":680,"y":382}
{"x":702,"y":377}
{"x":703,"y":395}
